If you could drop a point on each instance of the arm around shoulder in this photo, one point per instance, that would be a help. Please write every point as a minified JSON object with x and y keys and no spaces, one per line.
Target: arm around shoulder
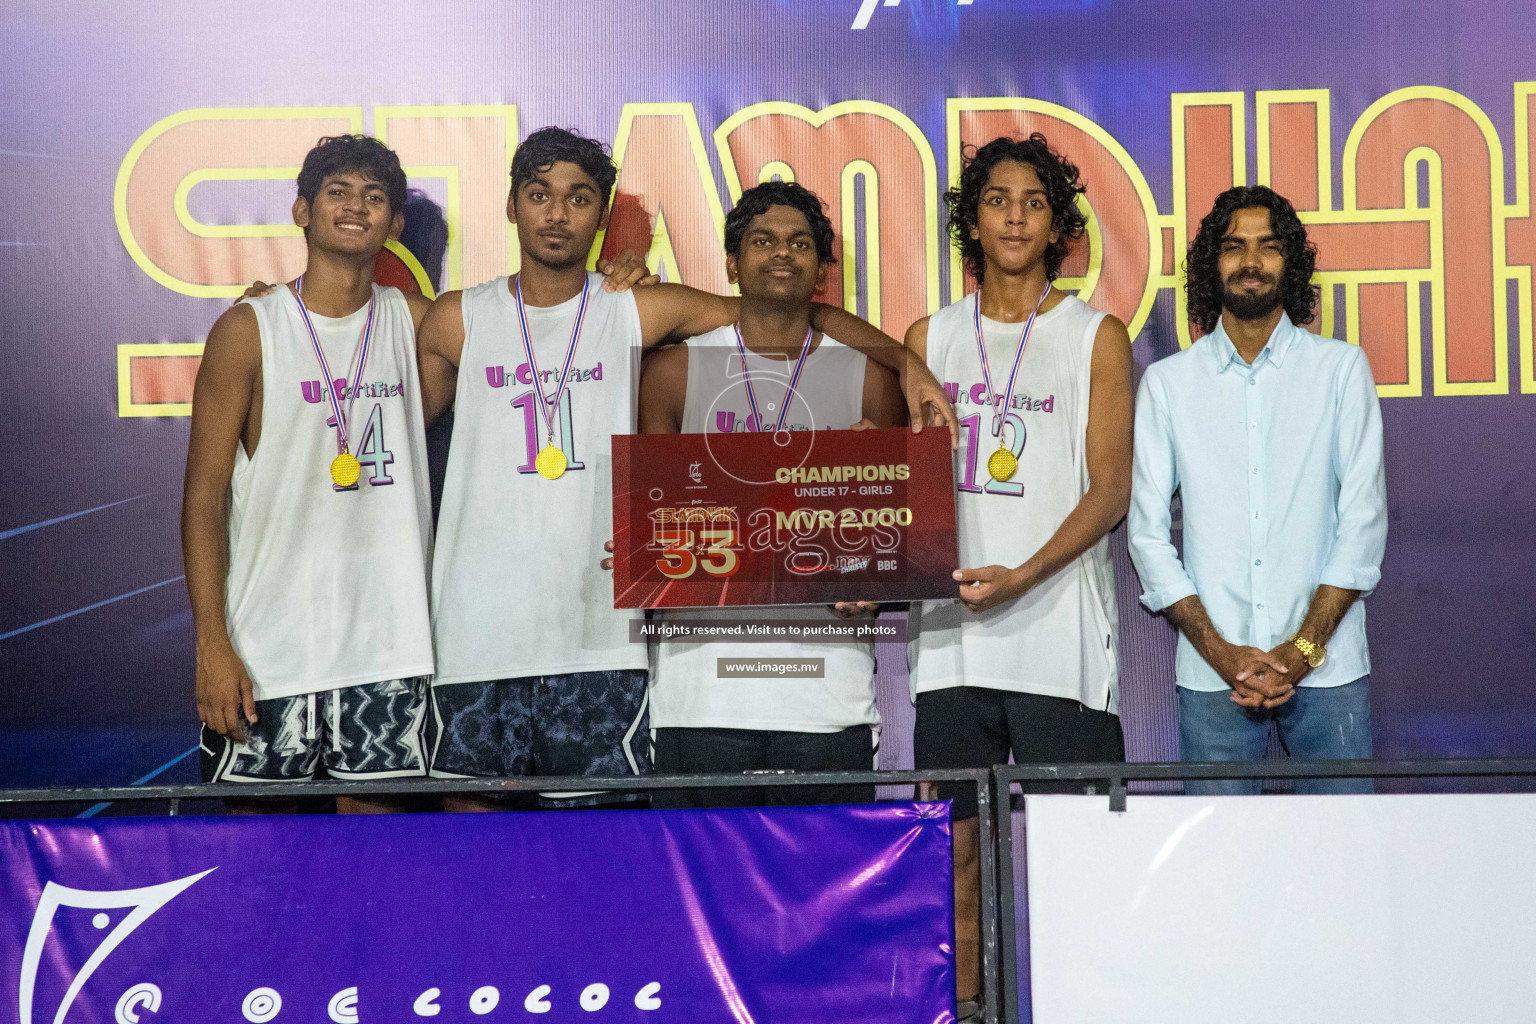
{"x":674,"y":311}
{"x":860,"y":334}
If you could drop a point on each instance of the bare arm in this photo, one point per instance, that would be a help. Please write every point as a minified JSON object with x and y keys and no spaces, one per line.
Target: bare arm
{"x":884,"y":405}
{"x":674,"y":311}
{"x":222,"y":399}
{"x":439,"y":346}
{"x":862,"y":335}
{"x":1326,"y":611}
{"x":916,"y":341}
{"x":1190,"y":618}
{"x":1110,"y":404}
{"x":925,"y":397}
{"x":663,"y":386}
{"x":419,"y":305}
{"x":1111,"y":401}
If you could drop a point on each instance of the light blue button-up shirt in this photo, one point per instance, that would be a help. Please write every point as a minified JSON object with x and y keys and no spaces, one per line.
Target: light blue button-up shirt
{"x":1279,"y":468}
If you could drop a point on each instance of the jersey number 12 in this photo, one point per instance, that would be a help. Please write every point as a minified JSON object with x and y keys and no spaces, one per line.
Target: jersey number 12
{"x":975,"y":458}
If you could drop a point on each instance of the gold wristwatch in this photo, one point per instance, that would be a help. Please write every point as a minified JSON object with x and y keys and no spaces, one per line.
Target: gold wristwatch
{"x":1315,"y":654}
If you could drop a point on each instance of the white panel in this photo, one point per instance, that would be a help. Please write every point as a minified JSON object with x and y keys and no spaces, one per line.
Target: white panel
{"x":1283,"y":909}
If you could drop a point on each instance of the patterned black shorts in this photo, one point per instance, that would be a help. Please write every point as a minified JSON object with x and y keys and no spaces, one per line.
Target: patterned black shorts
{"x":586,"y":723}
{"x":368,"y":731}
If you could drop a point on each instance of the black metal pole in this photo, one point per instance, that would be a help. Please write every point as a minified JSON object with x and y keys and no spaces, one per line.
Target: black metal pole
{"x":986,"y":830}
{"x":1002,"y":802}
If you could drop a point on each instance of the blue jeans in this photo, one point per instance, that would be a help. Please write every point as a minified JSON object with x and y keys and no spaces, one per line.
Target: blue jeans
{"x":1320,"y":723}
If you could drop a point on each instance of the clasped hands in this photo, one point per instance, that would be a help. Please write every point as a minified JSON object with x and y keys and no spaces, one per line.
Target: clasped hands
{"x":1261,"y":679}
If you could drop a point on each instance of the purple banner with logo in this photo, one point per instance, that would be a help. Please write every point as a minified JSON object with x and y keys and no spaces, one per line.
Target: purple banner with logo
{"x":788,"y":914}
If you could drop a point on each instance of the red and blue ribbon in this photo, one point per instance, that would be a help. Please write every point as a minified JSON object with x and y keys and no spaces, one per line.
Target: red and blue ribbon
{"x":993,"y":398}
{"x":789,"y":392}
{"x":551,"y":405}
{"x":360,"y":356}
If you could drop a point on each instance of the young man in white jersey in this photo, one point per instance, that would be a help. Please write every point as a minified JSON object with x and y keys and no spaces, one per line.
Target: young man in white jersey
{"x":778,"y":244}
{"x":1025,"y":662}
{"x":306,"y":528}
{"x":536,"y":672}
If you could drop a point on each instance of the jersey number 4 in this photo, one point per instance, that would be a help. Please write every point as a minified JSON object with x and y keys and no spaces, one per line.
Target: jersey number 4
{"x":370,"y":451}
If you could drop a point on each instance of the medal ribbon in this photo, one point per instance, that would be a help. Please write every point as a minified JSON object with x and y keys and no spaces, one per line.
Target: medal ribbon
{"x":789,"y":392}
{"x":993,"y":399}
{"x":360,"y":356}
{"x":551,"y":405}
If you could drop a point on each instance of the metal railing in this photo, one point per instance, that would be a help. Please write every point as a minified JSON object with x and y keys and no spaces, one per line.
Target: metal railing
{"x":1001,"y":999}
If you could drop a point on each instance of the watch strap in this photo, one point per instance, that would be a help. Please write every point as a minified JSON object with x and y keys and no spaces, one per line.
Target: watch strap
{"x":1313,"y":652}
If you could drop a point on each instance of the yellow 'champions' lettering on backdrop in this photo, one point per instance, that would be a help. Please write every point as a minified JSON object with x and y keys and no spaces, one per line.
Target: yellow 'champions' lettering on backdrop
{"x":1423,"y":261}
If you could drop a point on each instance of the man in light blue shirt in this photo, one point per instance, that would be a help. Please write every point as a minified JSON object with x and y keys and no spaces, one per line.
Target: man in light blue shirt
{"x":1272,"y":437}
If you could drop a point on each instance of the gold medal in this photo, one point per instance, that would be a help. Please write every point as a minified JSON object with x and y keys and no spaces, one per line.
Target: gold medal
{"x":550,"y":463}
{"x":345,"y":469}
{"x":1002,"y":464}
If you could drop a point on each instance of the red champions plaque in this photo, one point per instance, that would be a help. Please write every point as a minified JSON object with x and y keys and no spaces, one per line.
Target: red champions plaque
{"x":797,"y":517}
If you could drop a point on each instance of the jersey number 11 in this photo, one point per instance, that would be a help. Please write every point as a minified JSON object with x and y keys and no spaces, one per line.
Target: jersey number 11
{"x":528,"y":402}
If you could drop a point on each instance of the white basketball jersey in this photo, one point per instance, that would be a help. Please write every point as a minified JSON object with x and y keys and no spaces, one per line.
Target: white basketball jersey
{"x":1059,"y":639}
{"x":686,"y":688}
{"x":328,"y":588}
{"x":516,"y":586}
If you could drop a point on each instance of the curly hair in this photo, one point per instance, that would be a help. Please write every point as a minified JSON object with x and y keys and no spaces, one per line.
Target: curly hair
{"x":757,"y":200}
{"x":1203,"y":285}
{"x":549,"y":146}
{"x":338,"y":154}
{"x":1056,"y":173}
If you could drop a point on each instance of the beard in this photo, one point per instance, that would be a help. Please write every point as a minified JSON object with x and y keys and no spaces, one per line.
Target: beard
{"x":1250,"y":306}
{"x":572,"y":260}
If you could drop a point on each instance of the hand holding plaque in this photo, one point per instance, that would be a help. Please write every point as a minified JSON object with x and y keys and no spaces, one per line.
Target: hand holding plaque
{"x":789,"y":517}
